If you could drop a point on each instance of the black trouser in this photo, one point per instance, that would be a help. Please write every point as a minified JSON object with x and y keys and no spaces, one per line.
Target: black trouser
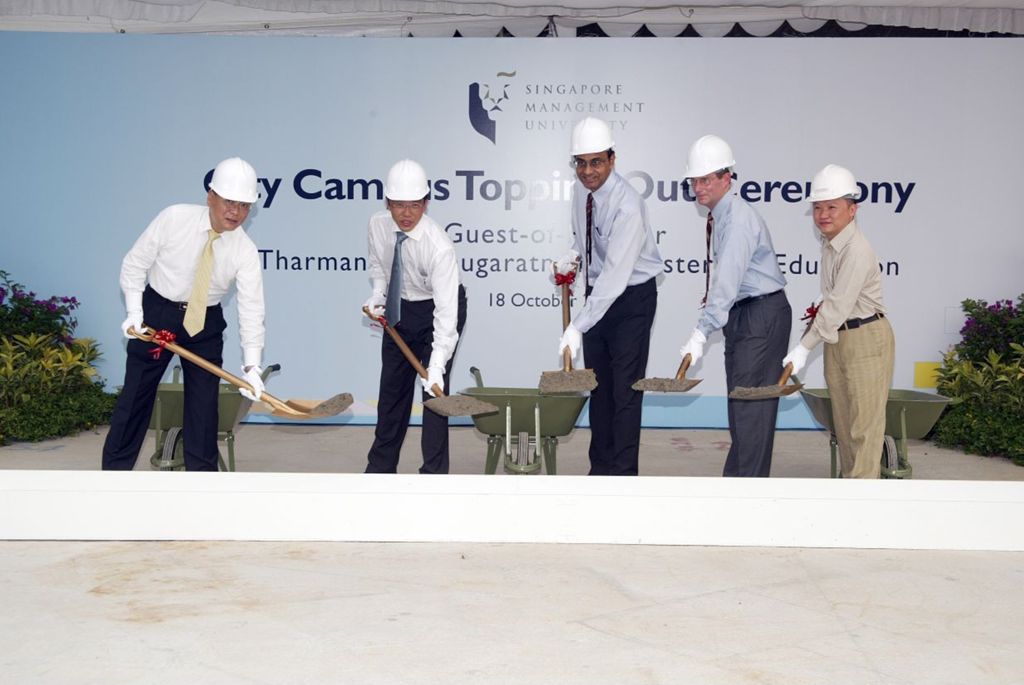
{"x":616,"y":349}
{"x":398,"y":379}
{"x":142,"y":375}
{"x":756,"y":337}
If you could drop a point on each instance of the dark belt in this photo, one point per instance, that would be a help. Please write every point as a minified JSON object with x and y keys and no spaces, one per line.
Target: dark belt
{"x":857,"y":323}
{"x":755,"y":298}
{"x":182,"y":306}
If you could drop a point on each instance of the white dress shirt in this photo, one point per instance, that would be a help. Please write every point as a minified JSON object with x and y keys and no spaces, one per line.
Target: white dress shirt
{"x":623,"y":248}
{"x":429,"y":271}
{"x":166,"y":256}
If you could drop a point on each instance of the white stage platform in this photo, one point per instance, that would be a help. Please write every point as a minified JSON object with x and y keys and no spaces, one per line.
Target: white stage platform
{"x":777,"y":512}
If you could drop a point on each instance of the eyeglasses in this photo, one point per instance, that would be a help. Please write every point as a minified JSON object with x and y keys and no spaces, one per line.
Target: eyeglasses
{"x":703,"y":180}
{"x":235,"y":204}
{"x":596,"y":163}
{"x":402,"y":206}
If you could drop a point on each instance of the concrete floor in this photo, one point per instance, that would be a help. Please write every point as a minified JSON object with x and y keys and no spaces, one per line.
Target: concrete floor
{"x":234,"y":612}
{"x":342,"y":449}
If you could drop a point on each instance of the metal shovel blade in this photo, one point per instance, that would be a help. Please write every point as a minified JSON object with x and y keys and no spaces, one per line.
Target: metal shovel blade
{"x":768,"y":391}
{"x":316,"y":410}
{"x":678,"y":384}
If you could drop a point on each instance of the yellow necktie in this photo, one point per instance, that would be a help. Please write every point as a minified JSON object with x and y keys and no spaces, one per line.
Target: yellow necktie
{"x":195,"y":313}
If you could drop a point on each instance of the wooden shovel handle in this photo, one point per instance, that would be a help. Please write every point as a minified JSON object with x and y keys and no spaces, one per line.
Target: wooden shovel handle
{"x":409,"y":356}
{"x":683,"y":366}
{"x":786,"y":373}
{"x":566,"y":355}
{"x":234,"y":380}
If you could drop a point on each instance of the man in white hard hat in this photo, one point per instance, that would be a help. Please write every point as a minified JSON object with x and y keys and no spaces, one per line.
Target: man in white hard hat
{"x":620,"y":263}
{"x":744,"y":298}
{"x":860,"y":348}
{"x":415,"y":279}
{"x":173,"y":280}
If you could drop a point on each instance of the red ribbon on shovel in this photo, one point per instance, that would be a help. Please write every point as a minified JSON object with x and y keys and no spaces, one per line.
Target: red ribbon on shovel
{"x":809,"y":315}
{"x":161,"y":338}
{"x":565,"y":279}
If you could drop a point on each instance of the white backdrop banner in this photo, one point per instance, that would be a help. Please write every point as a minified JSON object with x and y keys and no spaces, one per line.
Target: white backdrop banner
{"x":101,"y":132}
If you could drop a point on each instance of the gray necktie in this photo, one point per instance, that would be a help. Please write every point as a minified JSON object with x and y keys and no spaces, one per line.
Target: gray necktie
{"x":393,"y":307}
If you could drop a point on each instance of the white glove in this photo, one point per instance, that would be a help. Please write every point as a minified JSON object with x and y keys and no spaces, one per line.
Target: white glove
{"x":134,"y":320}
{"x":254,"y":377}
{"x":435,"y":376}
{"x":798,"y":357}
{"x":694,"y":347}
{"x":568,"y":262}
{"x":375,"y":304}
{"x":571,"y":338}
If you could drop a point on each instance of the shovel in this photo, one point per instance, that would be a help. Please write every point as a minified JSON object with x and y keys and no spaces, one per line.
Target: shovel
{"x":445,"y":405}
{"x":678,"y":384}
{"x":567,"y":380}
{"x":769,"y":391}
{"x":291,"y":409}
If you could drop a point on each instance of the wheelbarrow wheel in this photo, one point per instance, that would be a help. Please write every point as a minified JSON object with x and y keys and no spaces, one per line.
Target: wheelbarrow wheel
{"x":892,"y":465}
{"x":172,"y":458}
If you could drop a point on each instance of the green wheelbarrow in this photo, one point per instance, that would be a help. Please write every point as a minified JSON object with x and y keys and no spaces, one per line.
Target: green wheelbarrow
{"x":169,"y":417}
{"x":526,"y":420}
{"x":909,"y":414}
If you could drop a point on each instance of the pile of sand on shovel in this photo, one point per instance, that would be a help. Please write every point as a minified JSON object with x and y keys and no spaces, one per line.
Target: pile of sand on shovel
{"x":769,"y":391}
{"x":459,"y":405}
{"x":665,"y":384}
{"x":576,"y":380}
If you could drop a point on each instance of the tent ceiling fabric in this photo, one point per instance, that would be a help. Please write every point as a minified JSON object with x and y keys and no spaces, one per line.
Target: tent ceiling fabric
{"x":424,"y":18}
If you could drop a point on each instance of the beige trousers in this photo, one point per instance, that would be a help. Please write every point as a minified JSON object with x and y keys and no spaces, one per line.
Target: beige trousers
{"x":858,"y":372}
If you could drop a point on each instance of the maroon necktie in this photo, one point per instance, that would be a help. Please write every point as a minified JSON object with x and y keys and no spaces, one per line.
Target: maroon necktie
{"x":707,"y":274}
{"x":590,"y":226}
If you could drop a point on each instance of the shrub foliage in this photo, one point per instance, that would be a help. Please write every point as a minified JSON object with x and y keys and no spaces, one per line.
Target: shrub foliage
{"x":984,"y":375}
{"x":48,"y":384}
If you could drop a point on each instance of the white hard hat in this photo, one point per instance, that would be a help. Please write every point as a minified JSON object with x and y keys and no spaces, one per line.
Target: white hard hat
{"x":235,"y":179}
{"x":406,"y":181}
{"x":591,"y":135}
{"x":833,"y":182}
{"x":709,"y":153}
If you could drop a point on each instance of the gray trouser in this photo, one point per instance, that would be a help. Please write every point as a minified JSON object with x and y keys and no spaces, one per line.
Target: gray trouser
{"x":756,"y":337}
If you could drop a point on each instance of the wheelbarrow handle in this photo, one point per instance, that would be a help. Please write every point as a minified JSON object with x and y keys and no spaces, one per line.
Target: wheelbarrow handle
{"x":683,"y":366}
{"x":213,"y":368}
{"x":409,"y":356}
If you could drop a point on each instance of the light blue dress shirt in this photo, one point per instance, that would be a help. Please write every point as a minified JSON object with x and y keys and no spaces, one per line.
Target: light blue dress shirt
{"x":622,"y":243}
{"x":743,"y":261}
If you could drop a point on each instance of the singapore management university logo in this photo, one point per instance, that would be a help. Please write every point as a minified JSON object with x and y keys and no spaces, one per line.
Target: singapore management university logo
{"x":485,"y":100}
